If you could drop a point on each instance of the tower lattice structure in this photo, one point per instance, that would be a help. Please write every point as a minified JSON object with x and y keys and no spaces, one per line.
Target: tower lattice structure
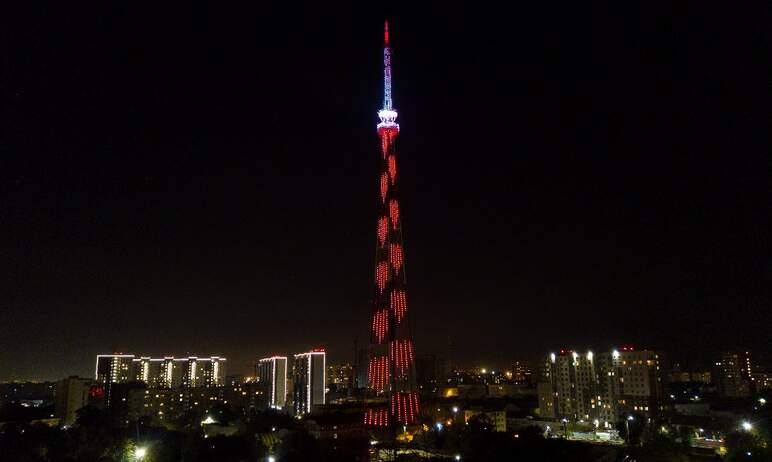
{"x":391,"y":368}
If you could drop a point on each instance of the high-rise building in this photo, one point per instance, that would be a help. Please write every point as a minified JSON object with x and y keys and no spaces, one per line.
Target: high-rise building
{"x":602,"y":386}
{"x":113,"y":369}
{"x":734,"y":374}
{"x":165,"y":372}
{"x":72,"y":394}
{"x":391,"y":368}
{"x":272,"y":372}
{"x":309,"y":380}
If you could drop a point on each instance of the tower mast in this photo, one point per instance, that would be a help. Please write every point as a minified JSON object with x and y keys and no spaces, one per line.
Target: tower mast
{"x":391,"y":369}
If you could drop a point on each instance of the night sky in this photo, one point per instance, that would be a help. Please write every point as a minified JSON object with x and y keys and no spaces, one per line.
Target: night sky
{"x":180,"y":180}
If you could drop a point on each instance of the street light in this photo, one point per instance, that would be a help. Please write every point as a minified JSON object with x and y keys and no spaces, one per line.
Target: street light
{"x":458,"y":457}
{"x":140,"y":453}
{"x":627,"y":427}
{"x":271,"y":459}
{"x":747,"y":426}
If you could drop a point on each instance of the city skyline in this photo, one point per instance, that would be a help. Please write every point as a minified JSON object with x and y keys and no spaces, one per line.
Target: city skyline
{"x":208,"y":189}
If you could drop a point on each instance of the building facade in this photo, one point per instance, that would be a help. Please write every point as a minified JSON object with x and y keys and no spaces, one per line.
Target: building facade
{"x":72,"y":394}
{"x":272,"y":373}
{"x":309,"y":381}
{"x":733,"y":374}
{"x":603,"y":386}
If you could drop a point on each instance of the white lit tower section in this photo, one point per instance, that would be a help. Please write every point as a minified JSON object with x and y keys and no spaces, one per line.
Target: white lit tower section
{"x":273,"y":371}
{"x":391,"y":368}
{"x":310,"y":380}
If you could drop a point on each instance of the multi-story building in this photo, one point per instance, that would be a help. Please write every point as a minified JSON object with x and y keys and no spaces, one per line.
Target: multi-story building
{"x":272,"y":373}
{"x":763,"y":380}
{"x":734,"y":374}
{"x":522,"y":372}
{"x":310,"y":381}
{"x":341,"y":375}
{"x":602,"y":387}
{"x":165,"y":372}
{"x":113,"y":369}
{"x":72,"y":394}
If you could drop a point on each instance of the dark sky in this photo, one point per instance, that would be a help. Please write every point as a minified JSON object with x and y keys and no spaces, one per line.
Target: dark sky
{"x":184,"y":180}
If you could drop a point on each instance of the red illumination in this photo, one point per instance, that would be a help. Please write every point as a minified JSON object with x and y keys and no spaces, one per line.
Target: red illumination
{"x":395,"y":256}
{"x":381,"y":324}
{"x":393,"y":169}
{"x":378,"y":373}
{"x":383,"y":229}
{"x":382,"y":275}
{"x":404,"y":407}
{"x":384,"y":186}
{"x":394,"y":213}
{"x":398,"y":305}
{"x":402,"y":357}
{"x":386,"y":33}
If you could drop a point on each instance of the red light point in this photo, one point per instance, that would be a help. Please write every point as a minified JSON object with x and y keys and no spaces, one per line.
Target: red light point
{"x":386,"y":32}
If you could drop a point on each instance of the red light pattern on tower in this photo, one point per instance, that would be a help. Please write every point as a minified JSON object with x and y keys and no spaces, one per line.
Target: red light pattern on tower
{"x":398,"y":305}
{"x":383,"y":229}
{"x":394,"y":213}
{"x":402,"y":357}
{"x":384,"y":185}
{"x":381,"y":324}
{"x":378,"y":373}
{"x":393,"y":397}
{"x":395,"y":257}
{"x":382,"y":275}
{"x":404,"y":406}
{"x":377,"y":417}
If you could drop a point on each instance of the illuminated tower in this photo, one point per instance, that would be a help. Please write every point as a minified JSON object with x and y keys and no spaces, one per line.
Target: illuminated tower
{"x":391,"y":369}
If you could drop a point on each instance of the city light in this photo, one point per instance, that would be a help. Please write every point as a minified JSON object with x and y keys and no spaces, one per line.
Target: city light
{"x":140,"y":453}
{"x":455,"y":409}
{"x":271,"y":459}
{"x":747,"y":426}
{"x":458,"y":457}
{"x":762,"y":401}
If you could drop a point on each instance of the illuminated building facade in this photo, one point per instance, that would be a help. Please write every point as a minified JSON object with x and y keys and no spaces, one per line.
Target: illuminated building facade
{"x":165,"y":372}
{"x":734,"y":374}
{"x":391,"y":367}
{"x":113,"y":369}
{"x":603,"y":386}
{"x":273,"y":373}
{"x":309,"y":381}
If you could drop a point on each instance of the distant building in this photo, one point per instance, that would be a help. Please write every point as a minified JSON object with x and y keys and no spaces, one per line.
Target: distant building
{"x":72,"y":394}
{"x":272,"y":373}
{"x":165,"y":372}
{"x":431,"y":373}
{"x":341,"y":375}
{"x":763,"y":380}
{"x":522,"y":372}
{"x":310,"y":381}
{"x":734,"y":374}
{"x":603,"y":386}
{"x":497,"y":418}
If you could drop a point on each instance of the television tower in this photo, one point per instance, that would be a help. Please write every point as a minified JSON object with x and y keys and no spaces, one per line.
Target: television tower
{"x":391,"y":368}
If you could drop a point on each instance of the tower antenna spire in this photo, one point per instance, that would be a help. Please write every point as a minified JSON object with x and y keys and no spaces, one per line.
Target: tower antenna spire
{"x":387,"y":115}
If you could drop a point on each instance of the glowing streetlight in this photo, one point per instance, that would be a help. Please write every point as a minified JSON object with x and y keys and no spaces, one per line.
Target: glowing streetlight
{"x":271,"y":459}
{"x":455,"y":409}
{"x":762,"y":401}
{"x":747,"y":426}
{"x":458,"y":457}
{"x":140,"y":453}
